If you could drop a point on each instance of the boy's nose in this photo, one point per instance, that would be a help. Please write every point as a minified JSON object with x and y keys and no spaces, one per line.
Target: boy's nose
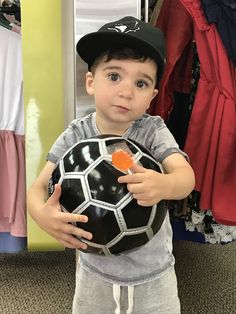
{"x":126,"y":91}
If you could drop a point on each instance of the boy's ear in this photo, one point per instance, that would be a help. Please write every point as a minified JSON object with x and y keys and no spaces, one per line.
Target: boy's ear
{"x":89,"y":83}
{"x":155,"y":92}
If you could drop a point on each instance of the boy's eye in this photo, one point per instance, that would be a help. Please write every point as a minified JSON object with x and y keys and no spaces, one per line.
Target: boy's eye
{"x":113,"y":77}
{"x":141,"y":84}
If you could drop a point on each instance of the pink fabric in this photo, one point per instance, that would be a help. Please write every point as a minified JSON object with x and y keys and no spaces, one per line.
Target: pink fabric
{"x":12,"y":184}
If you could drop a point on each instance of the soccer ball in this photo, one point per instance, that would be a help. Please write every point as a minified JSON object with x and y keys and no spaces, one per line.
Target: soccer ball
{"x":89,"y":185}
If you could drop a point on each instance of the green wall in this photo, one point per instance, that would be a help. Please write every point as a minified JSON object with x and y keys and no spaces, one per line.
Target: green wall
{"x":43,"y":94}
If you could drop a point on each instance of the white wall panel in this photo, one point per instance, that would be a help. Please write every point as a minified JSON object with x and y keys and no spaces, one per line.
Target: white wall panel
{"x":89,"y":16}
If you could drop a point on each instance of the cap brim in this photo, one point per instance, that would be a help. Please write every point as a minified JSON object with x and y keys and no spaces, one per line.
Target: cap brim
{"x":92,"y":45}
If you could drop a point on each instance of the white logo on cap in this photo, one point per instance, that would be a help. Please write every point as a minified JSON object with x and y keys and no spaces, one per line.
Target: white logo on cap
{"x":122,"y":28}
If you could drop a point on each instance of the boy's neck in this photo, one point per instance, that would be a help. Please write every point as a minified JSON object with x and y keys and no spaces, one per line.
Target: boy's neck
{"x":111,"y":128}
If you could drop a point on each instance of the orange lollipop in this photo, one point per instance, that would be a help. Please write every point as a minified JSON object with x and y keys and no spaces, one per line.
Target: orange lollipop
{"x":122,"y":160}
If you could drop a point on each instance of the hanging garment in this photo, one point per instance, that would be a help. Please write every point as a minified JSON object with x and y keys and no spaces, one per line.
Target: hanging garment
{"x":177,"y":26}
{"x":183,"y":104}
{"x":12,"y":162}
{"x":12,"y":10}
{"x":211,"y":138}
{"x":223,"y":14}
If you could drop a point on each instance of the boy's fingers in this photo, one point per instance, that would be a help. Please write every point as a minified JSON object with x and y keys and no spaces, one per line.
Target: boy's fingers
{"x":136,"y":168}
{"x":75,"y":230}
{"x":75,"y":217}
{"x":79,"y":232}
{"x":134,"y":177}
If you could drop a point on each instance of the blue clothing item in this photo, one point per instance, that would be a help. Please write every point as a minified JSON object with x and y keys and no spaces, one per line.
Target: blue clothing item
{"x":152,"y":259}
{"x":12,"y":244}
{"x":222,"y":13}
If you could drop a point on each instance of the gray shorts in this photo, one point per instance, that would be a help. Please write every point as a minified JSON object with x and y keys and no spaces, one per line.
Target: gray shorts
{"x":96,"y":296}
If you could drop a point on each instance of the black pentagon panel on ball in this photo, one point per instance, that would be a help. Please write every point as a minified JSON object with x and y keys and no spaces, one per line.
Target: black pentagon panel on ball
{"x":101,"y":223}
{"x":92,"y":249}
{"x":115,"y":141}
{"x":103,"y":183}
{"x":141,"y":147}
{"x":81,"y":156}
{"x":54,"y":179}
{"x":72,"y":194}
{"x":56,"y":175}
{"x":129,"y":242}
{"x":136,"y":216}
{"x":120,"y":143}
{"x":149,"y":163}
{"x":160,"y":216}
{"x":132,"y":148}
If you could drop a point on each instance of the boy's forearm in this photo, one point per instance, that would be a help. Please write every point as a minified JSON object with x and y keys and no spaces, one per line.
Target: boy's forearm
{"x":37,"y":193}
{"x":36,"y":198}
{"x":179,"y":183}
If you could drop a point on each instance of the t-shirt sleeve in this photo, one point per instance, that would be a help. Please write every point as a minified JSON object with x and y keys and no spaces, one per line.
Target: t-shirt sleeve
{"x":153,"y":134}
{"x":64,"y":141}
{"x":164,"y":143}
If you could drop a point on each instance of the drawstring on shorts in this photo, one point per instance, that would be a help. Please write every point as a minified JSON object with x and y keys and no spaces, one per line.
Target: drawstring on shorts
{"x":130,"y":299}
{"x":116,"y":296}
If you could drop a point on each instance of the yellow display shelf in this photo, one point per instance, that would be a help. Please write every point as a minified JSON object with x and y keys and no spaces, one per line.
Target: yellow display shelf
{"x":43,"y":95}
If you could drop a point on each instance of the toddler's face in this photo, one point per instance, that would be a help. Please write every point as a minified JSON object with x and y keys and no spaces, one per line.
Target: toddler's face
{"x":122,"y":89}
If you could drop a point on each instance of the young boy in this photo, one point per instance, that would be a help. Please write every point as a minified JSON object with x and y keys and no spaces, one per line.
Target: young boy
{"x":125,"y":59}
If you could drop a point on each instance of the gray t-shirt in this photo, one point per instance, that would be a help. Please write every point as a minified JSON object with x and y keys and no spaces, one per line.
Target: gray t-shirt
{"x":154,"y":258}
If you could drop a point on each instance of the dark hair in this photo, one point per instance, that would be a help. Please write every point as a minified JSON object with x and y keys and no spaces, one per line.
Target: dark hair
{"x":119,"y":54}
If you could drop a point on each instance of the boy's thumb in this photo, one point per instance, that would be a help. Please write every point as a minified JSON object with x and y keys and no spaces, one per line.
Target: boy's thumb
{"x":54,"y":198}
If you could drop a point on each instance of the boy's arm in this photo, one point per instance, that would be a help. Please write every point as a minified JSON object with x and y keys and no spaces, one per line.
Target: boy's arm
{"x":180,"y":177}
{"x":149,"y":187}
{"x":48,"y":215}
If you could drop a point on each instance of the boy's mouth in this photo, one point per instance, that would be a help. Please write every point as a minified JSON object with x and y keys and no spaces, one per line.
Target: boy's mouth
{"x":122,"y":108}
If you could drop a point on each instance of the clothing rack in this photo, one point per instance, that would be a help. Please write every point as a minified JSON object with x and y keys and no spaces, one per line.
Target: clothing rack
{"x":12,"y":208}
{"x":10,"y":16}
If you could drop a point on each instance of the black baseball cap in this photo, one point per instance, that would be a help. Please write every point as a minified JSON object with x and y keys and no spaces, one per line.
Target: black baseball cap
{"x":127,"y":32}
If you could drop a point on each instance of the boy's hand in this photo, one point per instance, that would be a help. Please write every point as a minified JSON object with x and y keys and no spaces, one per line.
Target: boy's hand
{"x":58,"y":224}
{"x":144,"y":184}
